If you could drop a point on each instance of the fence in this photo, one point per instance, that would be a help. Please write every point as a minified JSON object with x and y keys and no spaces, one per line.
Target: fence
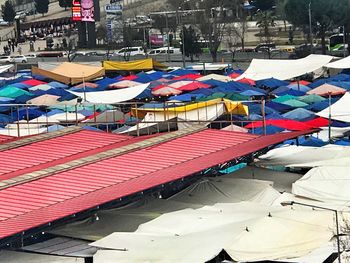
{"x":24,"y":119}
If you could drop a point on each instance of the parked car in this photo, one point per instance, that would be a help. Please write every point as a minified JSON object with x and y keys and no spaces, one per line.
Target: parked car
{"x":18,"y":59}
{"x":30,"y":55}
{"x":263,"y":47}
{"x":164,"y":50}
{"x":3,"y":22}
{"x":132,"y":51}
{"x":5,"y":59}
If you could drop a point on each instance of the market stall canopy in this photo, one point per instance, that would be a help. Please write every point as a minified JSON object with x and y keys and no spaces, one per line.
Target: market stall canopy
{"x":260,"y":69}
{"x":5,"y":68}
{"x":339,"y":111}
{"x":71,"y":73}
{"x":137,"y":65}
{"x":326,"y":90}
{"x":112,"y":96}
{"x":340,"y":64}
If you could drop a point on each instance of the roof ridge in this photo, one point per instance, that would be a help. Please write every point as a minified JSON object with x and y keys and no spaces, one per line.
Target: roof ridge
{"x":37,"y":138}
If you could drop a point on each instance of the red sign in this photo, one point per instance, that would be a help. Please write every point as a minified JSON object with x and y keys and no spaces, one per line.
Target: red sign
{"x":76,"y":10}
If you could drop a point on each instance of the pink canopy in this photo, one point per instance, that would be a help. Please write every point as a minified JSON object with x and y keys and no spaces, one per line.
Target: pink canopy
{"x":326,"y":90}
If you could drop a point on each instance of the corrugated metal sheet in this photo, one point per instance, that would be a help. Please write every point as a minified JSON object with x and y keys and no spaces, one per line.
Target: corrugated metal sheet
{"x":42,"y":201}
{"x":53,"y":151}
{"x":5,"y":138}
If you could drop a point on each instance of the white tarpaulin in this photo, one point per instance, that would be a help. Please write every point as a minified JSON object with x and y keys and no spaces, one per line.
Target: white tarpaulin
{"x":158,"y":120}
{"x":112,"y":96}
{"x":295,"y":155}
{"x":5,"y":68}
{"x":339,"y":110}
{"x":328,"y":184}
{"x":340,"y":64}
{"x":284,"y":69}
{"x":247,"y":231}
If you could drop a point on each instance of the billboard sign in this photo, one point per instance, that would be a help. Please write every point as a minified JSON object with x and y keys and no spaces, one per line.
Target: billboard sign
{"x":114,"y":21}
{"x":87,"y":11}
{"x":114,"y":9}
{"x":76,"y":10}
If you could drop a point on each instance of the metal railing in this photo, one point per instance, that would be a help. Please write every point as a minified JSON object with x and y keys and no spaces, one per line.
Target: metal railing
{"x":167,"y":116}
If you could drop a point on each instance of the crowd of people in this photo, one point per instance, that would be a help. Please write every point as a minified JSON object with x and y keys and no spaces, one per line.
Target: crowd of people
{"x":12,"y":44}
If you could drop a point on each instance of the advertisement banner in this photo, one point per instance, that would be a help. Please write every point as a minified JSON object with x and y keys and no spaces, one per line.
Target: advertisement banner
{"x":87,"y":11}
{"x":114,"y":22}
{"x":76,"y":10}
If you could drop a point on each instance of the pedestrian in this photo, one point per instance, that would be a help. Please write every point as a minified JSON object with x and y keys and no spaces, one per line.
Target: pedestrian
{"x":20,"y":50}
{"x":13,"y":47}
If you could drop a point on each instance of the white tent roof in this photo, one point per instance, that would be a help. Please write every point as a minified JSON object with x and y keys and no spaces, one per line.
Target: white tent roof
{"x":5,"y":68}
{"x":339,"y":110}
{"x":284,"y":69}
{"x":240,"y":229}
{"x":325,"y":184}
{"x":340,"y":64}
{"x":112,"y":96}
{"x":296,"y":155}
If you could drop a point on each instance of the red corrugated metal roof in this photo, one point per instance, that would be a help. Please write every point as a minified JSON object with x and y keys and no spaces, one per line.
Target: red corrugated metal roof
{"x":39,"y":202}
{"x":43,"y":154}
{"x":6,"y":138}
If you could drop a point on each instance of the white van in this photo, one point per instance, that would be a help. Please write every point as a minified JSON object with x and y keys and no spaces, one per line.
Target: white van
{"x":132,"y":50}
{"x":164,"y":50}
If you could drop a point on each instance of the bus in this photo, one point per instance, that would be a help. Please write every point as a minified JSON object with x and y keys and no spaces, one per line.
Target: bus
{"x":336,"y":42}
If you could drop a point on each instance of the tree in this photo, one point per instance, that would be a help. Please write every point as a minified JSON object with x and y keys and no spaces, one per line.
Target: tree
{"x":65,"y":3}
{"x":264,"y":5}
{"x":212,"y":22}
{"x":42,"y":6}
{"x":325,"y":16}
{"x":265,"y":20}
{"x":8,"y":12}
{"x":192,"y":46}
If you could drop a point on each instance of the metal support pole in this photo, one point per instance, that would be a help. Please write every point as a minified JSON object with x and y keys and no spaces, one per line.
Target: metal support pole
{"x":310,"y":25}
{"x":263,"y":115}
{"x":338,"y":239}
{"x":168,"y":42}
{"x":344,"y":42}
{"x":329,"y":116}
{"x":183,"y":47}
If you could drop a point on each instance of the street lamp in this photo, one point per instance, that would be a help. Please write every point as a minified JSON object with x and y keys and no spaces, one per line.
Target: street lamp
{"x":286,"y":203}
{"x":310,"y":27}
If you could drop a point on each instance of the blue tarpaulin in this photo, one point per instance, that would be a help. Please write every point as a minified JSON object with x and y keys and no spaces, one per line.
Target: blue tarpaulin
{"x":299,"y":114}
{"x":270,"y":129}
{"x":271,"y":83}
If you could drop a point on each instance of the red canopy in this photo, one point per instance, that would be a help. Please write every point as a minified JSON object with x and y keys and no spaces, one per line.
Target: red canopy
{"x":247,"y":81}
{"x":318,"y":122}
{"x":33,"y":82}
{"x":188,"y":76}
{"x":286,"y":124}
{"x":301,"y":82}
{"x":194,"y":86}
{"x":234,"y":75}
{"x":131,"y":77}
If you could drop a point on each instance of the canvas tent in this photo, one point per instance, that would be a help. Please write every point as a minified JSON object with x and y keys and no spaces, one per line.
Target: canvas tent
{"x":339,"y":110}
{"x":325,"y":184}
{"x":112,"y":96}
{"x":260,"y":69}
{"x":25,"y":257}
{"x":71,"y":73}
{"x":340,"y":64}
{"x":136,"y":65}
{"x":239,"y":228}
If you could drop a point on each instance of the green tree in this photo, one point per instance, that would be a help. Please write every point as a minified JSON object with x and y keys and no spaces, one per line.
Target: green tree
{"x":264,"y":5}
{"x":265,"y":20}
{"x":192,"y":46}
{"x":42,"y":6}
{"x":8,"y":12}
{"x":325,"y":16}
{"x":65,"y":3}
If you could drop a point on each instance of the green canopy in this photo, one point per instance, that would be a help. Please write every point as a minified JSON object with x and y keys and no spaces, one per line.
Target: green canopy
{"x":13,"y":92}
{"x":71,"y":108}
{"x":284,"y":98}
{"x":217,"y":95}
{"x":236,"y":97}
{"x":313,"y":98}
{"x":295,"y":103}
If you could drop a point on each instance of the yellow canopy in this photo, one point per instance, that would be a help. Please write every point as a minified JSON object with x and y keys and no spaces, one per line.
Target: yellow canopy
{"x":71,"y":73}
{"x":143,"y":64}
{"x":231,"y":107}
